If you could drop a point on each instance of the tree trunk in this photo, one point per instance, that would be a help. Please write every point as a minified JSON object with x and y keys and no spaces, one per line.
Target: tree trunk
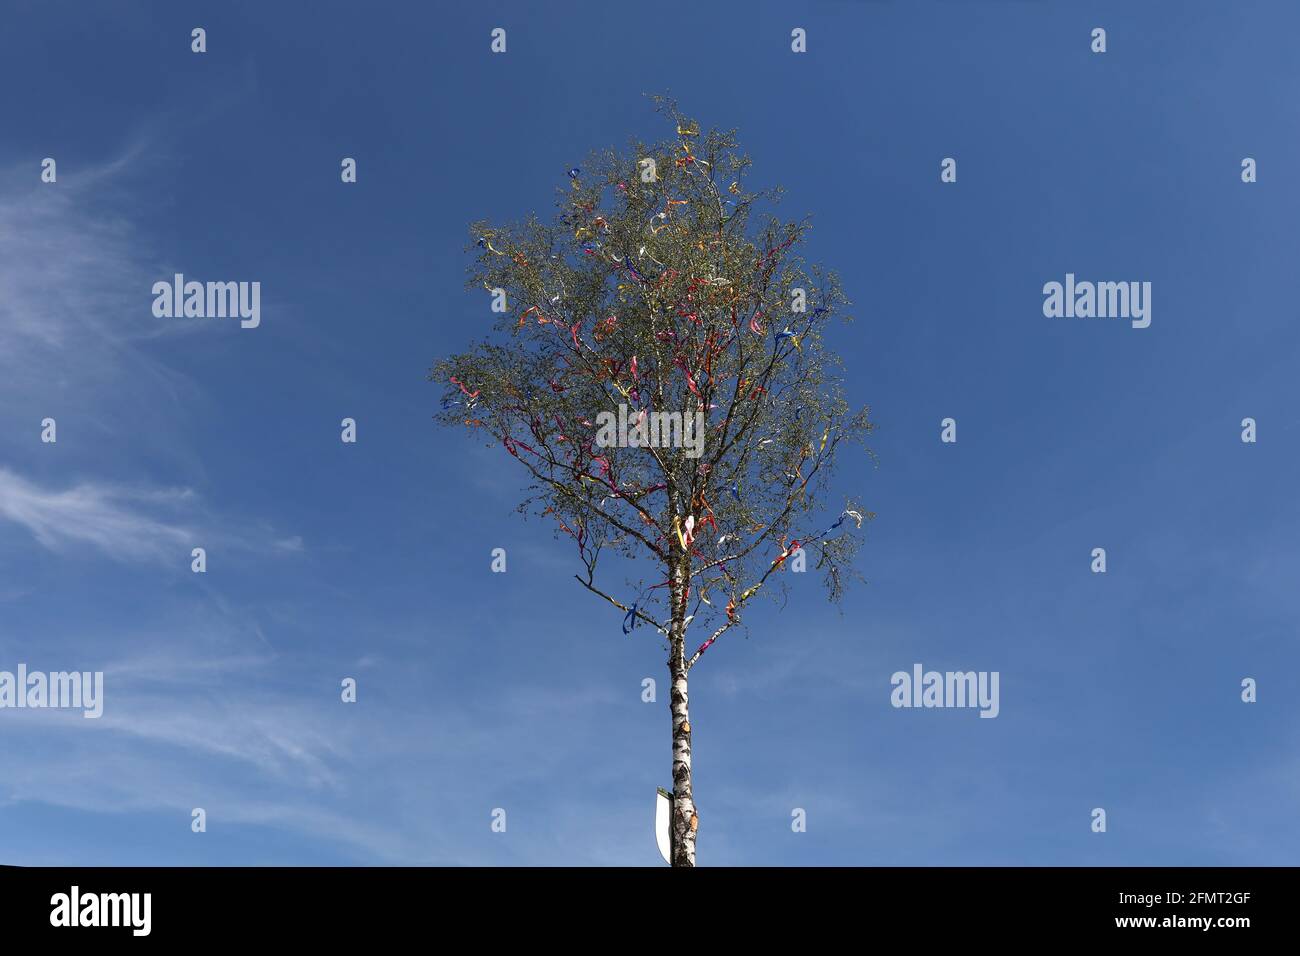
{"x":684,"y":822}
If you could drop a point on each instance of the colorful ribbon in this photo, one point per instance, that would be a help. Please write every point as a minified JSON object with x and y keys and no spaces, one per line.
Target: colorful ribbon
{"x":472,"y":395}
{"x":792,"y":336}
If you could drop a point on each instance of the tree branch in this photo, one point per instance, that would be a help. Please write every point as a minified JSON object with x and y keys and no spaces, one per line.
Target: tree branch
{"x":622,"y":607}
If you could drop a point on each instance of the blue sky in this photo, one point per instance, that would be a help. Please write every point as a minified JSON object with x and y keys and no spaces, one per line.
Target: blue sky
{"x":481,"y":690}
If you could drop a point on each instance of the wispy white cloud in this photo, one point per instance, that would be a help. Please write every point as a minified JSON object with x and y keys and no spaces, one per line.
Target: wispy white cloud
{"x":77,"y":338}
{"x":74,"y":271}
{"x":227,"y":733}
{"x":124,"y":523}
{"x":89,"y":514}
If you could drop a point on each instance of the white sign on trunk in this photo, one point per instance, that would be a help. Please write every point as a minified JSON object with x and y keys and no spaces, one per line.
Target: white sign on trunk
{"x":663,"y":807}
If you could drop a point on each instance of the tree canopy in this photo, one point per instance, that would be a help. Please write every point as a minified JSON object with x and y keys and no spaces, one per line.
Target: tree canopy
{"x":664,"y":291}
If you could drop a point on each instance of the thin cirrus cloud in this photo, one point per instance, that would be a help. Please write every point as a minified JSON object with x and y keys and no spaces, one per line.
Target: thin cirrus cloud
{"x":125,"y":524}
{"x":72,"y":267}
{"x":75,"y":275}
{"x":378,"y":784}
{"x":76,"y":271}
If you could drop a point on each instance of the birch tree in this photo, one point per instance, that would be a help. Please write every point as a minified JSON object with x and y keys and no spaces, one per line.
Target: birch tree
{"x":659,"y":374}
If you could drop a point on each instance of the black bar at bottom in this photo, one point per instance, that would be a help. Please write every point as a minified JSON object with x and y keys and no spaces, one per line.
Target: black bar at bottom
{"x":334,"y":906}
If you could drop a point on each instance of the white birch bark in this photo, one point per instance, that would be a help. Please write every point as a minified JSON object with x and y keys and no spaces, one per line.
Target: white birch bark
{"x":685,"y":821}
